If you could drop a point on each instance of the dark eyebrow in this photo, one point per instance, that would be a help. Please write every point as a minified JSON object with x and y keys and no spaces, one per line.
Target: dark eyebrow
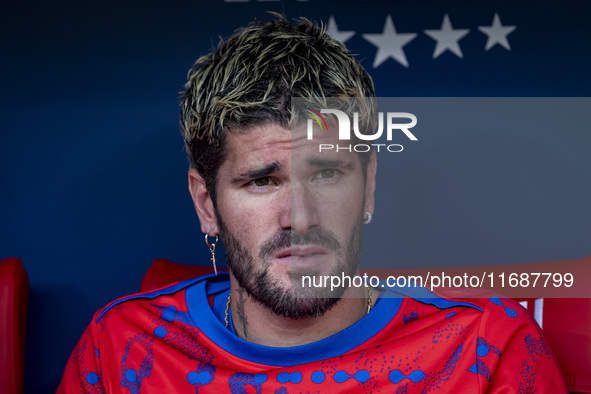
{"x":257,"y":173}
{"x":330,"y":163}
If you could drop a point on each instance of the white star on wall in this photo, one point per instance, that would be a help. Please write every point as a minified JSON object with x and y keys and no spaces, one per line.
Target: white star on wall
{"x":497,"y":33}
{"x":447,"y":38}
{"x":390,"y":44}
{"x":333,"y":31}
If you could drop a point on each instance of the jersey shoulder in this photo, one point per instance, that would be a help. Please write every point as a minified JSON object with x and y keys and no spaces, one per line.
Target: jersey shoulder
{"x":171,"y":296}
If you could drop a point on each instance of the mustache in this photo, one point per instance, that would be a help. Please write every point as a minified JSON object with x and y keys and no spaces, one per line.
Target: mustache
{"x":286,"y":238}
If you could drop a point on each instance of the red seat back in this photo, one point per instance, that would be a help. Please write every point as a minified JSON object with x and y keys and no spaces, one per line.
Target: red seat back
{"x":14,"y":296}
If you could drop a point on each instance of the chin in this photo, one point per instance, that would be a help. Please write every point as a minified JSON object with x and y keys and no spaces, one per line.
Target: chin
{"x":289,"y":299}
{"x":294,"y":307}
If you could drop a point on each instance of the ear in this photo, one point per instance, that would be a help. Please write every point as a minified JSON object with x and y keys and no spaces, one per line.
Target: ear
{"x":203,"y":203}
{"x":370,"y":183}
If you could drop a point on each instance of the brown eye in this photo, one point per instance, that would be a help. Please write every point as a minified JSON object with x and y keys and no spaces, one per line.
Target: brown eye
{"x":261,"y":182}
{"x":328,"y":173}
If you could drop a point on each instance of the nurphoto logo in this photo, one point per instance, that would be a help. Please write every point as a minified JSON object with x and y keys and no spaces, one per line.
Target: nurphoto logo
{"x":344,"y":127}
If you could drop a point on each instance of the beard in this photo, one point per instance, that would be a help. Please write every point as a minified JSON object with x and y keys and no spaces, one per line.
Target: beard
{"x":296,"y":301}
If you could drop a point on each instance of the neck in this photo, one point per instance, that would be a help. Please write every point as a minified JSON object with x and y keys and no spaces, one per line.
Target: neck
{"x":256,"y":323}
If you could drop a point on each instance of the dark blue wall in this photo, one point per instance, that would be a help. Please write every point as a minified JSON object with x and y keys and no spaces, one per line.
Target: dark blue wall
{"x":92,"y":168}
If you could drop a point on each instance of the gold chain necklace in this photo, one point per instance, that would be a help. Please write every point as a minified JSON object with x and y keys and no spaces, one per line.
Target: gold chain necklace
{"x":369,"y":304}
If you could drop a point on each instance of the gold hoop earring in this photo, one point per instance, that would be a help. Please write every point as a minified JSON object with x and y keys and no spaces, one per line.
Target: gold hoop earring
{"x":211,"y":247}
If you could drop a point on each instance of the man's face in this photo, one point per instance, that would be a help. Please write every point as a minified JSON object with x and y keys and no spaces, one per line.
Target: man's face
{"x":285,"y":210}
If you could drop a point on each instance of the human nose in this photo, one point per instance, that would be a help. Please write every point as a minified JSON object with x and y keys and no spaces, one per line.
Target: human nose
{"x":300,"y":209}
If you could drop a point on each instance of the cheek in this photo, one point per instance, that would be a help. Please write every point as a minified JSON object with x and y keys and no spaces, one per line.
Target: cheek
{"x":342,"y":214}
{"x":247,"y":219}
{"x":345,"y":214}
{"x":344,"y":201}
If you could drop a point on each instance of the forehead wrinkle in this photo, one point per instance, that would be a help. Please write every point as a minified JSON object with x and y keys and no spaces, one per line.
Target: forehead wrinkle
{"x":259,"y":138}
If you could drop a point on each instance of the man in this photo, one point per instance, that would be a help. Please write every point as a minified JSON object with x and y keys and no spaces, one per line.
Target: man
{"x":286,"y":211}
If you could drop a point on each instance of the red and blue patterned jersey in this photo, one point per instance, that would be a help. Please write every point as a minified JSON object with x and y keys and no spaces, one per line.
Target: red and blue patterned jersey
{"x":174,"y":340}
